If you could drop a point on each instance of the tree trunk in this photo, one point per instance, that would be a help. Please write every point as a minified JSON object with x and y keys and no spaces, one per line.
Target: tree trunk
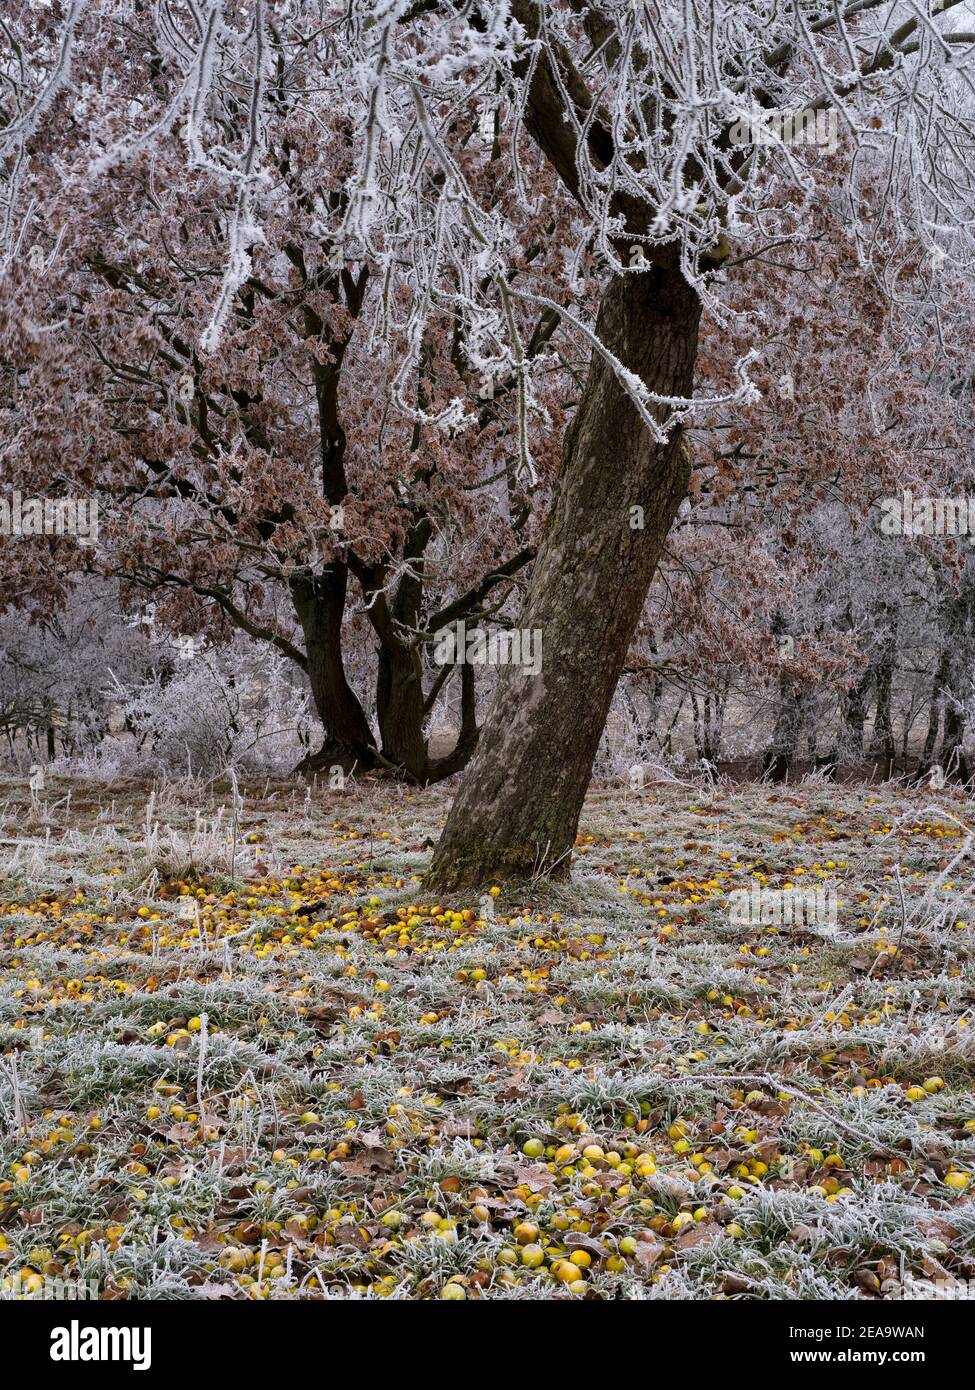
{"x":882,"y":742}
{"x":951,"y":694}
{"x":954,"y":759}
{"x":399,"y":708}
{"x":781,"y":751}
{"x":319,"y":603}
{"x":926,"y":761}
{"x":883,"y":729}
{"x":854,"y":707}
{"x":518,"y":808}
{"x":954,"y":754}
{"x":467,"y":736}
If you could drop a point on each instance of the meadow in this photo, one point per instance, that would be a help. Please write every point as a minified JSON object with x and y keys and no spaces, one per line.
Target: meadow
{"x":243,"y":1053}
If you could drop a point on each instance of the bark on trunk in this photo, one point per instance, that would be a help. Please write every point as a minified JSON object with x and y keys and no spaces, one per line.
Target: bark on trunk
{"x":926,"y":761}
{"x":518,"y":808}
{"x":319,"y":604}
{"x":855,"y":714}
{"x":781,"y":752}
{"x":399,"y":709}
{"x":882,"y":742}
{"x":883,"y":728}
{"x":954,"y":760}
{"x":951,"y":694}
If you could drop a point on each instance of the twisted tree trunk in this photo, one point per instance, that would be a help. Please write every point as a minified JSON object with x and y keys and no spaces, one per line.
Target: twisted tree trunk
{"x":518,"y":808}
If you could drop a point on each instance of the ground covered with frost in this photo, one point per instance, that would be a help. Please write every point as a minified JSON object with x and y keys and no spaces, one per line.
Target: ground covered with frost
{"x":244,"y":1054}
